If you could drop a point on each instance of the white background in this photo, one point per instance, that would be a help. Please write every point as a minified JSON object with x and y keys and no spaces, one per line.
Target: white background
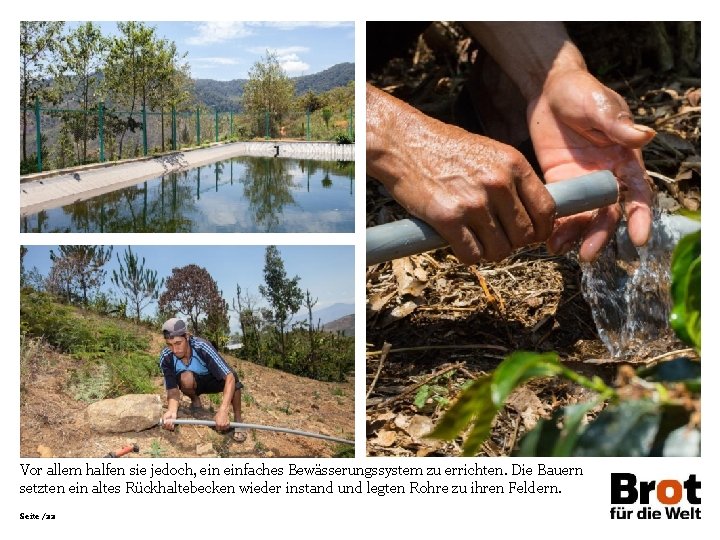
{"x":581,"y":511}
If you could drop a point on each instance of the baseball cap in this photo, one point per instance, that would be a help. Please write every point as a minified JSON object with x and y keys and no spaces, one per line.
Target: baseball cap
{"x":174,"y":327}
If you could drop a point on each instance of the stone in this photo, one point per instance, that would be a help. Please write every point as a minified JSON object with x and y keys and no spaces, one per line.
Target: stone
{"x":133,"y":412}
{"x":204,"y":449}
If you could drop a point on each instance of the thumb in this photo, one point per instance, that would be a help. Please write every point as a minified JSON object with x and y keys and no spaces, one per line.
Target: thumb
{"x":624,"y":132}
{"x":612,"y":117}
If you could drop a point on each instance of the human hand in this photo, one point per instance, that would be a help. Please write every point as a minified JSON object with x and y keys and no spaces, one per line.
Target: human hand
{"x":577,"y":126}
{"x":168,"y":420}
{"x":482,"y":196}
{"x":222,"y":419}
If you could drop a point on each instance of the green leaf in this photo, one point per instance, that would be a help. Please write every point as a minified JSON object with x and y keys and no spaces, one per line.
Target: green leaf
{"x":546,"y":439}
{"x":421,"y":396}
{"x":624,"y":429}
{"x":683,"y":442}
{"x":519,"y":367}
{"x":685,"y":289}
{"x":681,"y":369}
{"x":480,"y":431}
{"x":474,"y":403}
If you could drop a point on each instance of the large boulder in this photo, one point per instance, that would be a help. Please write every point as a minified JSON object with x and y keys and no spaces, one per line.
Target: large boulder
{"x":133,"y":412}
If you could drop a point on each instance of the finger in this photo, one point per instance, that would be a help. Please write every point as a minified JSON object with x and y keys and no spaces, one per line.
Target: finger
{"x":465,"y":245}
{"x":539,"y":206}
{"x":611,"y":116}
{"x":638,"y":199}
{"x":489,"y":230}
{"x":599,"y":232}
{"x":568,"y":231}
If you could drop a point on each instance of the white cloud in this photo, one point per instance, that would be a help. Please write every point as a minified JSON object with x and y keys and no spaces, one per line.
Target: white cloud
{"x":290,"y":25}
{"x":218,"y":31}
{"x":217,"y":61}
{"x":280,"y":51}
{"x":294,"y":66}
{"x":288,"y":57}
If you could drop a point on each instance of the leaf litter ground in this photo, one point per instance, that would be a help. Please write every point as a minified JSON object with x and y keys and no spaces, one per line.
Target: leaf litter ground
{"x":434,"y":325}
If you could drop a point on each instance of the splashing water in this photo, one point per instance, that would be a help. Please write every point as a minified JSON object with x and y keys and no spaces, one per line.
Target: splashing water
{"x":628,"y":289}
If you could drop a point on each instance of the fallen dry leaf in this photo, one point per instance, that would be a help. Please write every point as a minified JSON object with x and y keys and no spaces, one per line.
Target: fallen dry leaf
{"x":385,"y":438}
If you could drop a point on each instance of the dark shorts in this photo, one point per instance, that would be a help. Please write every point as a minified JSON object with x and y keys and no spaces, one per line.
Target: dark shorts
{"x":207,"y":384}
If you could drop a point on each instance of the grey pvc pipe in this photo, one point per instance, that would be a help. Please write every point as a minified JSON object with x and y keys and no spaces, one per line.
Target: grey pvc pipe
{"x":192,"y":421}
{"x":411,"y":236}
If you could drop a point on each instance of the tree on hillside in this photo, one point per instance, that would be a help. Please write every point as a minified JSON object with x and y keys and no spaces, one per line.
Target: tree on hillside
{"x":38,"y":40}
{"x":245,"y":308}
{"x":283,"y":294}
{"x":309,"y":101}
{"x":310,"y":303}
{"x":137,"y":284}
{"x":269,"y":89}
{"x":82,"y":57}
{"x":77,"y":271}
{"x":192,"y":292}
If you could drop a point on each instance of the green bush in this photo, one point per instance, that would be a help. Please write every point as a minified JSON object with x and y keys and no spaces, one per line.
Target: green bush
{"x":111,"y":358}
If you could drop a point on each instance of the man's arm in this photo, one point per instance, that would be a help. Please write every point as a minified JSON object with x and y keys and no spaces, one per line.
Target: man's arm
{"x":173,"y":397}
{"x":577,"y":125}
{"x":222,"y":418}
{"x":528,"y":51}
{"x":481,"y":195}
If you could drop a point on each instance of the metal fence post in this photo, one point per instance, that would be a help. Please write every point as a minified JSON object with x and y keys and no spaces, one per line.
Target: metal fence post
{"x":101,"y":131}
{"x":174,"y":129}
{"x":197,"y":124}
{"x":351,"y":128}
{"x":216,"y":125}
{"x":144,"y":118}
{"x":267,"y":124}
{"x":307,"y":120}
{"x":38,"y":136}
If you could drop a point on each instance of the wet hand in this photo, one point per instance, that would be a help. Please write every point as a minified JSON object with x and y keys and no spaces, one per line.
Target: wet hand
{"x":578,"y":125}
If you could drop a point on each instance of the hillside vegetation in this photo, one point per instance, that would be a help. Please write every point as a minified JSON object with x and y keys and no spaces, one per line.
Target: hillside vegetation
{"x":71,"y":357}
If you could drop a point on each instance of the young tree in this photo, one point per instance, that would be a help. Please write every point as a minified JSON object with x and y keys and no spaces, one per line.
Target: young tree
{"x":245,"y":307}
{"x":269,"y":89}
{"x":283,"y":294}
{"x":82,"y":57}
{"x":38,"y":40}
{"x":310,"y":303}
{"x":77,"y":271}
{"x":139,"y":68}
{"x":138,"y":285}
{"x":192,"y":292}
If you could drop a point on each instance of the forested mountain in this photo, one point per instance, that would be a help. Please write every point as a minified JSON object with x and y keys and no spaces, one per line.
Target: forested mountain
{"x":225,"y":95}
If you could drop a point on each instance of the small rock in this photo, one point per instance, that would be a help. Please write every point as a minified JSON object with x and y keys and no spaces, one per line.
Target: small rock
{"x":45,"y":451}
{"x":204,"y":449}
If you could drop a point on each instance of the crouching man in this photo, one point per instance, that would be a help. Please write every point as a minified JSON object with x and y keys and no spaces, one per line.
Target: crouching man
{"x":193,"y":367}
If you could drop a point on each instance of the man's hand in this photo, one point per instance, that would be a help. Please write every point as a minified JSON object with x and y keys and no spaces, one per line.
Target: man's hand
{"x":222,"y":419}
{"x":168,"y":420}
{"x":577,"y":126}
{"x":482,"y":196}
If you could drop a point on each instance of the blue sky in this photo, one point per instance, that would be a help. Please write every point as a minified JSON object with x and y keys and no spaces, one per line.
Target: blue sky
{"x":327,"y":271}
{"x":227,"y":50}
